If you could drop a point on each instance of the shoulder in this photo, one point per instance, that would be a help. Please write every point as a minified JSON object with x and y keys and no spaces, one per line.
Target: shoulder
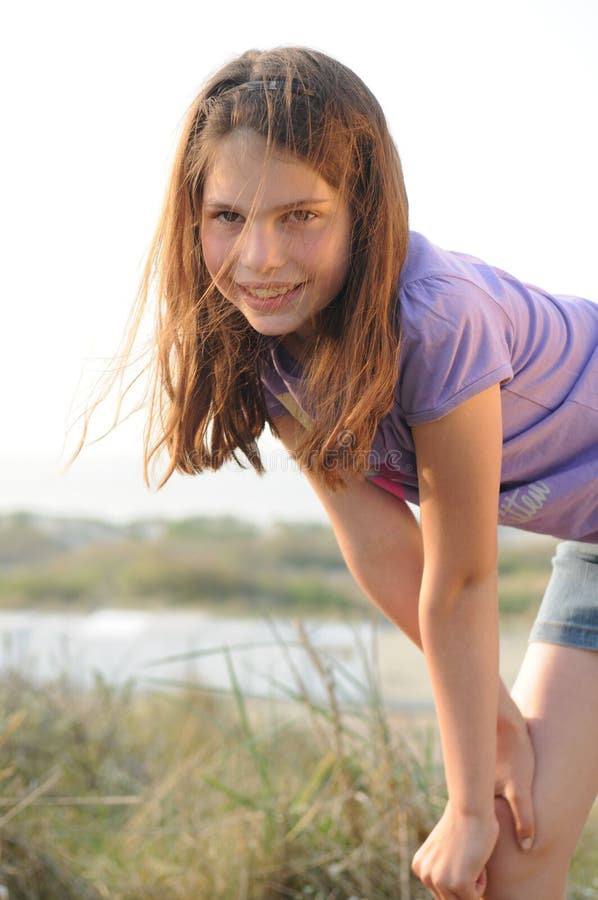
{"x":455,"y":331}
{"x":448,"y":286}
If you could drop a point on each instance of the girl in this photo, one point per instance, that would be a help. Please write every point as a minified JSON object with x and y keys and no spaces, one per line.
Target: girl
{"x":292,"y":293}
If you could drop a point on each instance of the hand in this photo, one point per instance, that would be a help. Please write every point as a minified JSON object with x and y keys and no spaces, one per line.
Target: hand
{"x":515,"y":772}
{"x":451,"y":863}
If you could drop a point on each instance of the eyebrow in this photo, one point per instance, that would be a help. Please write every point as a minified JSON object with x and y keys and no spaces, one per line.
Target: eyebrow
{"x":282,"y":207}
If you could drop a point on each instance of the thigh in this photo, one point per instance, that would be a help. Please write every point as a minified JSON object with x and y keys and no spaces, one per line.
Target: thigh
{"x":557,"y":688}
{"x":557,"y":692}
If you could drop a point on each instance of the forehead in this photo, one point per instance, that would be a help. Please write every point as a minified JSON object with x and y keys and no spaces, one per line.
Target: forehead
{"x":244,"y":170}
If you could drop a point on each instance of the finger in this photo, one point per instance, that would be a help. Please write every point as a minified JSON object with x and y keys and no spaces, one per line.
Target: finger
{"x":481,"y":883}
{"x":444,"y":893}
{"x":522,"y":810}
{"x":415,"y":864}
{"x":469,"y":893}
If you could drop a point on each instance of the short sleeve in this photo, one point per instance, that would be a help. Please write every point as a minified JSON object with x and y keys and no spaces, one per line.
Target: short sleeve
{"x":455,"y":342}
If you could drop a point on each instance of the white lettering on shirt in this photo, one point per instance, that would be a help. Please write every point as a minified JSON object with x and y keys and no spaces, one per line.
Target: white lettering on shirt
{"x":523,"y":504}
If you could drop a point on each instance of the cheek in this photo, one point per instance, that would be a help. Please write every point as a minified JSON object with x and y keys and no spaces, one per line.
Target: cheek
{"x":326,"y":256}
{"x":209,"y":251}
{"x":335,"y":256}
{"x":215,"y":250}
{"x":337,"y":263}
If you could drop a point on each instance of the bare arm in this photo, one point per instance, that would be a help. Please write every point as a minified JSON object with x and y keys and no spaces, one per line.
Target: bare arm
{"x":382,"y":545}
{"x":378,"y":536}
{"x":459,"y":460}
{"x":442,"y":591}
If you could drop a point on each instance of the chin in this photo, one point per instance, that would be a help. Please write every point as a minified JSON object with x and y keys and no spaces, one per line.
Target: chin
{"x":272,"y":328}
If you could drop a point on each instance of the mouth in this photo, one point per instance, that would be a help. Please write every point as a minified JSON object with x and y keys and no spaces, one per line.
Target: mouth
{"x":268,"y":297}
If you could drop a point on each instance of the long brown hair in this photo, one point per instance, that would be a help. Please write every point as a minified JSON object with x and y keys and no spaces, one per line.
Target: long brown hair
{"x":205,"y":397}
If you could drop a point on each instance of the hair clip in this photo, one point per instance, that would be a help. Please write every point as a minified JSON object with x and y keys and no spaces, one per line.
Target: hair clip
{"x":275,"y":84}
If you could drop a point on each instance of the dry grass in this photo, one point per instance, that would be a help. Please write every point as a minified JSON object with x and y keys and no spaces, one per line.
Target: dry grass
{"x":185,"y":794}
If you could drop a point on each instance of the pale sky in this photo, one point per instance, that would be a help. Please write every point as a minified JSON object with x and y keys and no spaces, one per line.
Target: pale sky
{"x":492,"y":105}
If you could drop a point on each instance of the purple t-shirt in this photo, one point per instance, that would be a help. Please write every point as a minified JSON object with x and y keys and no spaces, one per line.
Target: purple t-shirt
{"x":465,"y":326}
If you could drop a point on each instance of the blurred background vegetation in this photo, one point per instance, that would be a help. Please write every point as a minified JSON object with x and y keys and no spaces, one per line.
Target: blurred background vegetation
{"x":191,"y":793}
{"x":187,"y":794}
{"x":224,"y":563}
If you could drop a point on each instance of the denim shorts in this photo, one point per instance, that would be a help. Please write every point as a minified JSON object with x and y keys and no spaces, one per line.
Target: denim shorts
{"x":568,"y":613}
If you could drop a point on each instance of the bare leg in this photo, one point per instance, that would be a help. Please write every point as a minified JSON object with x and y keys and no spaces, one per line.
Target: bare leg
{"x":557,"y":692}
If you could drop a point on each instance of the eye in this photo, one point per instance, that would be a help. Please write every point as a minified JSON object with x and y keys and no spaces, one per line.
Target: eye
{"x":300,"y":216}
{"x":227,"y":216}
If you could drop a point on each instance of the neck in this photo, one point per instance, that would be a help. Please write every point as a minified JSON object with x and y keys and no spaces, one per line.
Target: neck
{"x":298,"y":347}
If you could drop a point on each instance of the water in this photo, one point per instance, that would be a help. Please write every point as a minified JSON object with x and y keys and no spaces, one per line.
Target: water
{"x":161,"y":647}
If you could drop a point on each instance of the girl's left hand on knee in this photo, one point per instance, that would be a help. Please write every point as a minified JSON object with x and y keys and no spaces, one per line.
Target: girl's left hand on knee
{"x":515,"y":764}
{"x":451,"y":863}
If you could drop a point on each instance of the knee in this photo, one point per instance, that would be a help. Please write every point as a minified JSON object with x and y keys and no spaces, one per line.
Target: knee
{"x":545,"y":838}
{"x":514,"y":873}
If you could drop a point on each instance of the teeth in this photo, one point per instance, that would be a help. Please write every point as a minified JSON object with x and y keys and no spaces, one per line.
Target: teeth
{"x":268,"y":293}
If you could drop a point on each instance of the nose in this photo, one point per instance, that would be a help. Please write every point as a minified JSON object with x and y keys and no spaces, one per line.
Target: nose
{"x":260,"y":248}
